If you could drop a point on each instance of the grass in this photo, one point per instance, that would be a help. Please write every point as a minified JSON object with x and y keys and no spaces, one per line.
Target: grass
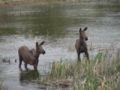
{"x":103,"y":73}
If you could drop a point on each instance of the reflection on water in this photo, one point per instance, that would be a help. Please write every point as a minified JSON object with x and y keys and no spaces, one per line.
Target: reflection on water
{"x":46,"y":21}
{"x":58,"y":25}
{"x":29,"y":76}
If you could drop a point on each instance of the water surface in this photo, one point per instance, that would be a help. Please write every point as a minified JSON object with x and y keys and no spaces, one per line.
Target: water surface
{"x":58,"y":26}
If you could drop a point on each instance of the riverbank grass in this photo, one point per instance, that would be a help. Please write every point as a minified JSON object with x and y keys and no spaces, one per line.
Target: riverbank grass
{"x":103,"y":73}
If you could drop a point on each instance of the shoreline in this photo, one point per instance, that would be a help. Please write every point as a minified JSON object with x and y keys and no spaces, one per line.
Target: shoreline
{"x":20,"y":3}
{"x":13,"y":3}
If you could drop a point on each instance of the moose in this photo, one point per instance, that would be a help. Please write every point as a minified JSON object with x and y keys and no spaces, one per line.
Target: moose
{"x":30,"y":56}
{"x":80,"y":45}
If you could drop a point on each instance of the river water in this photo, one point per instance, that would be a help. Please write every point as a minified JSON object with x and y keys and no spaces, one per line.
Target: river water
{"x":58,"y":25}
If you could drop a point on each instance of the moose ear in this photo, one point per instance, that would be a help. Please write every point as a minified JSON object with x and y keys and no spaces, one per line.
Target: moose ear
{"x":36,"y":44}
{"x":85,"y":29}
{"x":80,"y":30}
{"x":42,"y":42}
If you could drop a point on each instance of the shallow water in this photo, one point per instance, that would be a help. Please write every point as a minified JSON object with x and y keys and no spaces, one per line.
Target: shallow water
{"x":58,"y":26}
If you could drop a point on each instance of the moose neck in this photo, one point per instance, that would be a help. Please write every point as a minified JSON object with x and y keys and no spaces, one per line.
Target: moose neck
{"x":37,"y":54}
{"x":82,"y":41}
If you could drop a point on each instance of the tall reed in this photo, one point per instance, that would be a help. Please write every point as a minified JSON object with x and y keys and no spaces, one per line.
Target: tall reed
{"x":102,"y":73}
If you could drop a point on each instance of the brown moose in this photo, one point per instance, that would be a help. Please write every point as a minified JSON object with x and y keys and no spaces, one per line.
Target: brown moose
{"x":30,"y":56}
{"x":80,"y":45}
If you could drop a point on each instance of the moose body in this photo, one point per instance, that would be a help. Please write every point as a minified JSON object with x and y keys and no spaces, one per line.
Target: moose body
{"x":30,"y":56}
{"x":80,"y":45}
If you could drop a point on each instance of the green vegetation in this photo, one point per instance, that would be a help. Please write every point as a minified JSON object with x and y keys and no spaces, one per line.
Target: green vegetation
{"x":103,"y":73}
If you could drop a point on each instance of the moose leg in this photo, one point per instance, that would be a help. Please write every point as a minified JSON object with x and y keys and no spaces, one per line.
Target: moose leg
{"x":79,"y":59}
{"x":26,"y":66}
{"x":35,"y":67}
{"x":87,"y":55}
{"x":20,"y":61}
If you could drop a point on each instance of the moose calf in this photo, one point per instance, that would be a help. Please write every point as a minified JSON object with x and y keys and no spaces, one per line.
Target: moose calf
{"x":80,"y":45}
{"x":30,"y":56}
